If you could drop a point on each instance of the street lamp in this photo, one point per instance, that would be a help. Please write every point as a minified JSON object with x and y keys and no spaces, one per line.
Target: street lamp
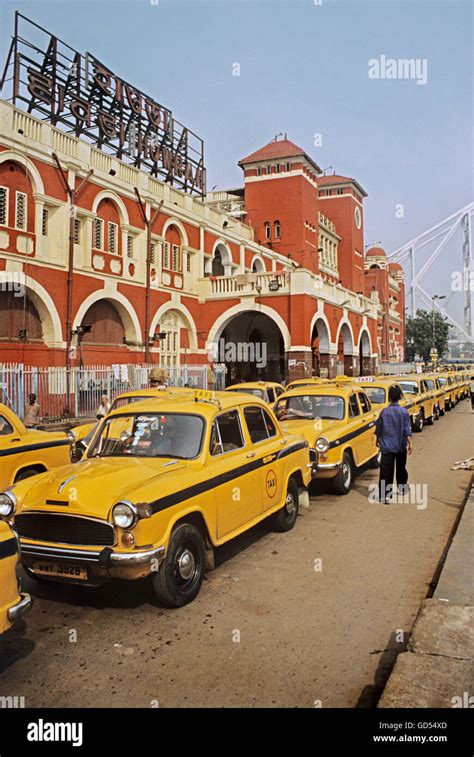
{"x":433,"y":299}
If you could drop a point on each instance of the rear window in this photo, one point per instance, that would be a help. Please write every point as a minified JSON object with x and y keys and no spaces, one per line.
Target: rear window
{"x":248,"y":390}
{"x":409,"y":387}
{"x":430,"y":383}
{"x":376,"y":394}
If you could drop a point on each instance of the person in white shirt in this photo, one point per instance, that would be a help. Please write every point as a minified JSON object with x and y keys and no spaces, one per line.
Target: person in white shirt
{"x":103,"y":408}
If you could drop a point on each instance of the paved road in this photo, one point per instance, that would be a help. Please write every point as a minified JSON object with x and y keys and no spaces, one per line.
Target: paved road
{"x":306,"y":635}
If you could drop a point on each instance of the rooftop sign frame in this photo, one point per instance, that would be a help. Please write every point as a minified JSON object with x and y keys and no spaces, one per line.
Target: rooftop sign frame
{"x":79,"y":94}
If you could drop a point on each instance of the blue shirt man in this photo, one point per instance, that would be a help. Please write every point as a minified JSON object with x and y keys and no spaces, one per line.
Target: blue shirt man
{"x":393,"y":432}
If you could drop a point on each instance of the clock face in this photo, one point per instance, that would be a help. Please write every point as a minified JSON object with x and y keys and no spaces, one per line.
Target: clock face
{"x":357,"y":217}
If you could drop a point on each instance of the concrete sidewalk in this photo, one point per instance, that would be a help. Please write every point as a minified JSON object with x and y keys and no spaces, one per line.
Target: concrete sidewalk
{"x":437,"y":669}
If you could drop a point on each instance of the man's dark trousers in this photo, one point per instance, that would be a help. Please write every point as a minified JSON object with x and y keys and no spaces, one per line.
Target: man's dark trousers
{"x":387,"y":469}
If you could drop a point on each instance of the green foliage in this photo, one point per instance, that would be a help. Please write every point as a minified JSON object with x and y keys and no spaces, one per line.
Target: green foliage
{"x":419,"y":335}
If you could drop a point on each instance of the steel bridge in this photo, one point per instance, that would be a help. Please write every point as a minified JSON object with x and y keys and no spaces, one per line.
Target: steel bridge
{"x":452,"y":234}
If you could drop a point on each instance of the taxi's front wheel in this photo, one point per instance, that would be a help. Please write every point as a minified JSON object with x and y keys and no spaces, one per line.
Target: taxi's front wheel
{"x":179,"y":578}
{"x":285,"y":518}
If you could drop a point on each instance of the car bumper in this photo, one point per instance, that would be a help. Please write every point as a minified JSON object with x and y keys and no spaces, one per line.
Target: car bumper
{"x":20,"y":608}
{"x":326,"y":470}
{"x":101,"y":563}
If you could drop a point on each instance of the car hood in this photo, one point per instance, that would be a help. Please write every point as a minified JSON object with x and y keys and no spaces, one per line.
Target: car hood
{"x":92,"y":487}
{"x":34,"y":436}
{"x":312,"y":429}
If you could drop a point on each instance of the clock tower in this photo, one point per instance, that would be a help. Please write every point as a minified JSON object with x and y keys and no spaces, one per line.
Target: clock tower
{"x":341,"y":200}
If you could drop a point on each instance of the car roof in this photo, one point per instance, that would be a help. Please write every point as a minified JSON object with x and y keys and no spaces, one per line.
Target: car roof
{"x":325,"y":389}
{"x":253,"y":385}
{"x":153,"y":392}
{"x":186,"y":404}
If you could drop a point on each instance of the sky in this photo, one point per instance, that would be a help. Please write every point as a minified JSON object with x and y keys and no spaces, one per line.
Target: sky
{"x":304,"y":70}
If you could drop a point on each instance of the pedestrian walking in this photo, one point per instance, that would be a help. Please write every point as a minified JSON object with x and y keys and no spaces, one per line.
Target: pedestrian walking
{"x":394,"y":438}
{"x":32,"y":412}
{"x":103,"y":408}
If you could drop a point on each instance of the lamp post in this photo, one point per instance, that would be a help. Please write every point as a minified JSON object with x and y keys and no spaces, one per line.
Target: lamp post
{"x":433,"y":299}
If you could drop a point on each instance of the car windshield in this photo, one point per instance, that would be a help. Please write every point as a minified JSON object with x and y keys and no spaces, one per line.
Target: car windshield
{"x":376,"y":394}
{"x":409,"y":387}
{"x":310,"y":406}
{"x":430,"y":383}
{"x":247,"y":390}
{"x":176,"y":435}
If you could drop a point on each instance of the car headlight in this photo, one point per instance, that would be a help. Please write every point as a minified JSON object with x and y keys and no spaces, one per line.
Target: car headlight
{"x":7,"y":504}
{"x":322,"y":444}
{"x":125,"y":515}
{"x":71,"y":436}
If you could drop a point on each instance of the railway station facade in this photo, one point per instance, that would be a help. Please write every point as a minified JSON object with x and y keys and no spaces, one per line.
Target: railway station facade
{"x":277,"y":262}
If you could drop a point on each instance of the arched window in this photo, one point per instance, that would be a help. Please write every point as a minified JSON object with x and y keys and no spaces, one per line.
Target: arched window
{"x":268,"y":230}
{"x":277,"y":229}
{"x":106,"y":236}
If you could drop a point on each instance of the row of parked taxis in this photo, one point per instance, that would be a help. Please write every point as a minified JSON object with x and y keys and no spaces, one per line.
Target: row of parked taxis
{"x":169,"y":475}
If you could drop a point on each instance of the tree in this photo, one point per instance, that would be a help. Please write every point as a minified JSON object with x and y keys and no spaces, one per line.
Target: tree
{"x":419,"y":335}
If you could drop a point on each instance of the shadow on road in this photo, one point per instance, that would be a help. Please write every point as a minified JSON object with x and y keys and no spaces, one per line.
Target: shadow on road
{"x":371,"y":694}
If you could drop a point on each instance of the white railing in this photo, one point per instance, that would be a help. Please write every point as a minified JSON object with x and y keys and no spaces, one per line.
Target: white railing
{"x":87,"y":385}
{"x":245,"y":284}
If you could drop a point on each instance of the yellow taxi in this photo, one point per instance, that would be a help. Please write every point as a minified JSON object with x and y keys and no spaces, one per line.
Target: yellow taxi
{"x":81,"y":435}
{"x":313,"y":381}
{"x":25,"y":452}
{"x":338,"y":422}
{"x":416,"y":390}
{"x":439,"y":391}
{"x":162,"y":483}
{"x":377,"y":387}
{"x":269,"y":391}
{"x":13,"y":603}
{"x":447,"y":382}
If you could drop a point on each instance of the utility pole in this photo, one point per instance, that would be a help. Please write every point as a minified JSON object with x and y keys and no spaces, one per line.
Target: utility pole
{"x":435,"y":297}
{"x":73,"y":195}
{"x":149,"y":223}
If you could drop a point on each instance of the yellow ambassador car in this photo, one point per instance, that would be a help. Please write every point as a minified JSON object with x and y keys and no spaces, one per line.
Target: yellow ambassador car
{"x":25,"y":452}
{"x":376,"y":388}
{"x":162,"y":483}
{"x":448,"y":383}
{"x":416,"y":389}
{"x":267,"y":390}
{"x":13,"y":604}
{"x":339,"y":424}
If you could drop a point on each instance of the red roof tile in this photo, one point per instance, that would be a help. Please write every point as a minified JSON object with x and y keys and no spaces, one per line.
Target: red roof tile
{"x":334,"y":179}
{"x":282,"y":148}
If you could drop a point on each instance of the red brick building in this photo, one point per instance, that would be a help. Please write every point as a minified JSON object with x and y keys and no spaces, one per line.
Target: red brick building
{"x":277,"y":262}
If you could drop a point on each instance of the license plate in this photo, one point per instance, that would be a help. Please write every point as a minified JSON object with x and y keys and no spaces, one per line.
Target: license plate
{"x":60,"y":570}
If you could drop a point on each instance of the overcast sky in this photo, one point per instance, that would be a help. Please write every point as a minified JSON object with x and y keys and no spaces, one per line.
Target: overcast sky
{"x":304,"y":70}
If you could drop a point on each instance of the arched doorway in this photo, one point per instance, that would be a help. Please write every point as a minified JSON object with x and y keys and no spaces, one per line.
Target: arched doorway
{"x":364,"y":354}
{"x":103,"y":325}
{"x":19,"y":318}
{"x":252,"y":348}
{"x":345,"y":351}
{"x":320,"y":348}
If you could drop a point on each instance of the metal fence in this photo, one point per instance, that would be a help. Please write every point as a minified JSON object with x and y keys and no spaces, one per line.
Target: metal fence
{"x":87,"y":385}
{"x":397,"y":368}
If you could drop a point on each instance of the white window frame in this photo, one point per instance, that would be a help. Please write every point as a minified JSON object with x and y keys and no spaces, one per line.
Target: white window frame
{"x":268,"y":230}
{"x":112,"y":226}
{"x":19,"y":194}
{"x":45,"y":222}
{"x":99,"y":224}
{"x":7,"y":199}
{"x":166,"y":256}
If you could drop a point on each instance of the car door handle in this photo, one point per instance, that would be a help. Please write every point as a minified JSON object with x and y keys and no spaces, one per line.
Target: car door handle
{"x":14,"y":440}
{"x":251,"y":454}
{"x":283,"y":442}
